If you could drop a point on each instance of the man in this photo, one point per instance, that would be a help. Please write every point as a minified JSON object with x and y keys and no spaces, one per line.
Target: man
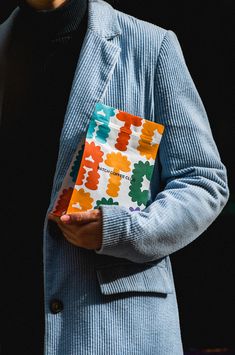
{"x":108,"y":283}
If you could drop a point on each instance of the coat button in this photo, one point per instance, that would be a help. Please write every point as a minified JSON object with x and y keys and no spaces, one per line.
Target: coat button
{"x":56,"y":306}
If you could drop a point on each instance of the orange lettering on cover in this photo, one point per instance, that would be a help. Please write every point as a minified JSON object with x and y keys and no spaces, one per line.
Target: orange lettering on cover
{"x":92,"y":156}
{"x":125,"y":131}
{"x":146,"y":148}
{"x":80,"y":201}
{"x":118,"y":162}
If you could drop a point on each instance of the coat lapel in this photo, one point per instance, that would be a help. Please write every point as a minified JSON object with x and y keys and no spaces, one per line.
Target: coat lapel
{"x":95,"y":66}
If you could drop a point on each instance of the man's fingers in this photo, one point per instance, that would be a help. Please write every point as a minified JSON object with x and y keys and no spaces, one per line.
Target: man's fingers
{"x":77,"y":217}
{"x":81,"y":217}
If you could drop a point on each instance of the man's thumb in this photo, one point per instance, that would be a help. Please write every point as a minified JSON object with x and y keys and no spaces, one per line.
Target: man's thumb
{"x":79,"y":217}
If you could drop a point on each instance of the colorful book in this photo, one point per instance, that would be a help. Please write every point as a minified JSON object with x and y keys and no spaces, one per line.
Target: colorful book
{"x":113,"y":165}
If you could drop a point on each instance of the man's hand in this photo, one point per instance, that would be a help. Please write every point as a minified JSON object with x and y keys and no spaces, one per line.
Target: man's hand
{"x":83,"y":229}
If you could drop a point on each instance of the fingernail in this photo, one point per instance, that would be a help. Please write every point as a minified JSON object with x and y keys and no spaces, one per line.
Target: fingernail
{"x":65,"y":218}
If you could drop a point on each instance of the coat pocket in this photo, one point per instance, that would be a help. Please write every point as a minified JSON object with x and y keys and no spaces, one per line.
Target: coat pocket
{"x":133,"y":277}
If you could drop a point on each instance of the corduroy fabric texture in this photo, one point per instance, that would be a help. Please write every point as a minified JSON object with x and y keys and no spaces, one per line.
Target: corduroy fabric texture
{"x":121,"y":299}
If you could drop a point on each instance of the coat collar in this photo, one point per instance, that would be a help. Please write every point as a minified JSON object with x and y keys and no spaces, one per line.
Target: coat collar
{"x":103,"y":19}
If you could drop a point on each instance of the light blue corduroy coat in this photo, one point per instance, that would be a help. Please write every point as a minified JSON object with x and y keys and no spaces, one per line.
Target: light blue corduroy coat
{"x":121,"y":299}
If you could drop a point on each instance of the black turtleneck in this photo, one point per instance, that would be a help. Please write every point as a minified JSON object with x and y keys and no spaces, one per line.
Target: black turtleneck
{"x":42,"y":59}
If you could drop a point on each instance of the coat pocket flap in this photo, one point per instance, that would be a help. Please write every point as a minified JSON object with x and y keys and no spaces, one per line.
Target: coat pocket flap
{"x":134,"y":278}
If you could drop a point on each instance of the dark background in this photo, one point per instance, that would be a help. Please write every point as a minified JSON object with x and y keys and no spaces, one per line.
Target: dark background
{"x":204,"y":271}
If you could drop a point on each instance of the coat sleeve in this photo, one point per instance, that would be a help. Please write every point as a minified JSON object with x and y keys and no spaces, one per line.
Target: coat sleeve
{"x":194,"y":178}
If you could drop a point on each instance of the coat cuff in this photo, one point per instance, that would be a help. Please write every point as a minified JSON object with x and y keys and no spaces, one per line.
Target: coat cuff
{"x":116,"y":226}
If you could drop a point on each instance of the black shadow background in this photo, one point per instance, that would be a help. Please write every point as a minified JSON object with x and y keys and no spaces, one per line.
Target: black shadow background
{"x":204,"y":270}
